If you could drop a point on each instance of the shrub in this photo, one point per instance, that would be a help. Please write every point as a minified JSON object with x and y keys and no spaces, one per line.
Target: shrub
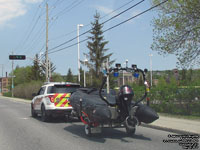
{"x":27,"y":89}
{"x":8,"y":94}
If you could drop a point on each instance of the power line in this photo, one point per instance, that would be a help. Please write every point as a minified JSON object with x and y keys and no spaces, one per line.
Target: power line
{"x":69,"y":7}
{"x":29,"y":32}
{"x":28,"y":27}
{"x":101,"y":24}
{"x":39,"y":33}
{"x":100,"y":18}
{"x":68,"y":46}
{"x":113,"y":26}
{"x":26,"y":40}
{"x":135,"y":16}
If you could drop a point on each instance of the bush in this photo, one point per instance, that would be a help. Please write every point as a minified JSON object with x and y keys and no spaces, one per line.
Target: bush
{"x":27,"y":89}
{"x":8,"y":94}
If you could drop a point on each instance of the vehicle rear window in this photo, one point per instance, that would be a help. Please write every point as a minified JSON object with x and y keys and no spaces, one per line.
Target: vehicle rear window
{"x":62,"y":89}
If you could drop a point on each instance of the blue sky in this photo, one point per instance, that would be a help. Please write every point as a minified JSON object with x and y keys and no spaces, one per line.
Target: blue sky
{"x":131,"y":40}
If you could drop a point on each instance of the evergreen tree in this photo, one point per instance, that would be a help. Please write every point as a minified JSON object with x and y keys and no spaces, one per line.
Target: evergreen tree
{"x":82,"y":76}
{"x":56,"y":77}
{"x":52,"y":67}
{"x":37,"y":73}
{"x":97,"y":51}
{"x":69,"y":77}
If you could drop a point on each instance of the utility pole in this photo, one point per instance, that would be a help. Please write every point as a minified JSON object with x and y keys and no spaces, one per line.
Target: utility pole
{"x":85,"y":60}
{"x":79,"y":74}
{"x":49,"y":68}
{"x":12,"y":88}
{"x":150,"y":55}
{"x":47,"y":60}
{"x":123,"y":71}
{"x":2,"y":69}
{"x":108,"y":85}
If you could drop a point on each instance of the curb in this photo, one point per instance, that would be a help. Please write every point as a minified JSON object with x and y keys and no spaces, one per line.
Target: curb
{"x":167,"y":129}
{"x":16,"y":99}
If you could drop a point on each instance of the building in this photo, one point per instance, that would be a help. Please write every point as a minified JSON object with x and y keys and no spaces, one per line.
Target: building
{"x":4,"y":85}
{"x":128,"y":78}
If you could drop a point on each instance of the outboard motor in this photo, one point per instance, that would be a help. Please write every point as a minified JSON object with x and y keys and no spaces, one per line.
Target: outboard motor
{"x":125,"y":97}
{"x":125,"y":100}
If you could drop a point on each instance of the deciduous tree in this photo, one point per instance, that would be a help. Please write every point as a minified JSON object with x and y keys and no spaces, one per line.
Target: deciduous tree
{"x":177,"y":30}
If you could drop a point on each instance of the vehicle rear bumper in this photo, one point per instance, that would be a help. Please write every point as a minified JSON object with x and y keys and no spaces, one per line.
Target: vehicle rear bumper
{"x":56,"y":112}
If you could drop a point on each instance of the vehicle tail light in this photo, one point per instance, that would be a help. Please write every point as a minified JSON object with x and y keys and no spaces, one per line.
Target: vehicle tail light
{"x":51,"y":98}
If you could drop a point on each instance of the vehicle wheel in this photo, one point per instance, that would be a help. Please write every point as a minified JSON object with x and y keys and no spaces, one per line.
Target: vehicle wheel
{"x":44,"y":116}
{"x":130,"y":132}
{"x":130,"y":125}
{"x":88,"y":130}
{"x":33,"y":113}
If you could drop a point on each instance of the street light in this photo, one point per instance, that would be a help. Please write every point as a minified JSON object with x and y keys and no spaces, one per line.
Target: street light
{"x":79,"y":76}
{"x":84,"y":72}
{"x":126,"y":63}
{"x":150,"y":55}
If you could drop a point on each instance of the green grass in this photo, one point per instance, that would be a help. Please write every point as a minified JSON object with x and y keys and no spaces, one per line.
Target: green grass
{"x":180,"y":116}
{"x":8,"y":94}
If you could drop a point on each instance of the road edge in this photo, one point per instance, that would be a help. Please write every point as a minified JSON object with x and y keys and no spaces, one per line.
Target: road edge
{"x":16,"y":99}
{"x":167,"y":129}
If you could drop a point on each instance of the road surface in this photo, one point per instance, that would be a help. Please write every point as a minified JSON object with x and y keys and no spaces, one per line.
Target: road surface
{"x":19,"y":131}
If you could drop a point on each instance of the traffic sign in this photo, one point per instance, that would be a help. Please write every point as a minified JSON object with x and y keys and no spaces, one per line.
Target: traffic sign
{"x":17,"y":57}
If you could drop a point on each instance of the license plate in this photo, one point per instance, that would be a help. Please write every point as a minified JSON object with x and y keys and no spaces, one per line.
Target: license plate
{"x":96,"y":130}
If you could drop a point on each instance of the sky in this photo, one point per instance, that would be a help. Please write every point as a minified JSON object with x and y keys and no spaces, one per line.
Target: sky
{"x":23,"y":23}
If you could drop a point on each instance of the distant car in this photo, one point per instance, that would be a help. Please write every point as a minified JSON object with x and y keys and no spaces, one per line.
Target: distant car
{"x":52,"y":100}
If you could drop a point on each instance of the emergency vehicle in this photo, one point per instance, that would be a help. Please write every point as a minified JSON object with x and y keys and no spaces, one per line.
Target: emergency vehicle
{"x":52,"y":100}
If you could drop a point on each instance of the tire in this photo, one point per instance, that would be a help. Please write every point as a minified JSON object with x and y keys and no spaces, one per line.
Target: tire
{"x":130,"y":126}
{"x":33,"y":113}
{"x":130,"y":132}
{"x":88,"y":130}
{"x":44,"y":116}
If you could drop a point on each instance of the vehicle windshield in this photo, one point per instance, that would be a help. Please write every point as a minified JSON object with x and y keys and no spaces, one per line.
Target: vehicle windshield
{"x":62,"y":89}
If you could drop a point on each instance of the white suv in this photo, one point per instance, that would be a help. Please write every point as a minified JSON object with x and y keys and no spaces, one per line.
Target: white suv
{"x":52,"y":100}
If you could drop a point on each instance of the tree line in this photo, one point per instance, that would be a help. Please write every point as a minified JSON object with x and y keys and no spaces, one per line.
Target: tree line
{"x":28,"y":79}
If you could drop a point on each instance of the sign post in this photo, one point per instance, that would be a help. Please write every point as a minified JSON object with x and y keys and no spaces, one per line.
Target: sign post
{"x":15,"y":57}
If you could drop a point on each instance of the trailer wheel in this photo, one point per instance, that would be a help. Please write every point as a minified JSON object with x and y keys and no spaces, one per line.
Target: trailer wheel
{"x":88,"y":130}
{"x":130,"y":132}
{"x":130,"y":125}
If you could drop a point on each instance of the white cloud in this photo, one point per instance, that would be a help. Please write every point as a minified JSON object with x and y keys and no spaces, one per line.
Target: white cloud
{"x":33,"y":1}
{"x":105,"y":10}
{"x":10,"y":9}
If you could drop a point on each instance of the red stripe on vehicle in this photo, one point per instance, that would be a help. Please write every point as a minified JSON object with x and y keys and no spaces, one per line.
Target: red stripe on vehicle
{"x":63,"y":96}
{"x":55,"y":95}
{"x":63,"y":105}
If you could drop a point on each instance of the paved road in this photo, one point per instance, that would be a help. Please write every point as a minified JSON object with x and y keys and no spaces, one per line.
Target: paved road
{"x":19,"y":131}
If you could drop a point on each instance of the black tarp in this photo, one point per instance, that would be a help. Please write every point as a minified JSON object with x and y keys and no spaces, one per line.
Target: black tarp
{"x":92,"y":104}
{"x":98,"y":110}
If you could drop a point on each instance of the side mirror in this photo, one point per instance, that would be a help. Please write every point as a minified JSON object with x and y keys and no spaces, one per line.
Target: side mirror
{"x":34,"y":94}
